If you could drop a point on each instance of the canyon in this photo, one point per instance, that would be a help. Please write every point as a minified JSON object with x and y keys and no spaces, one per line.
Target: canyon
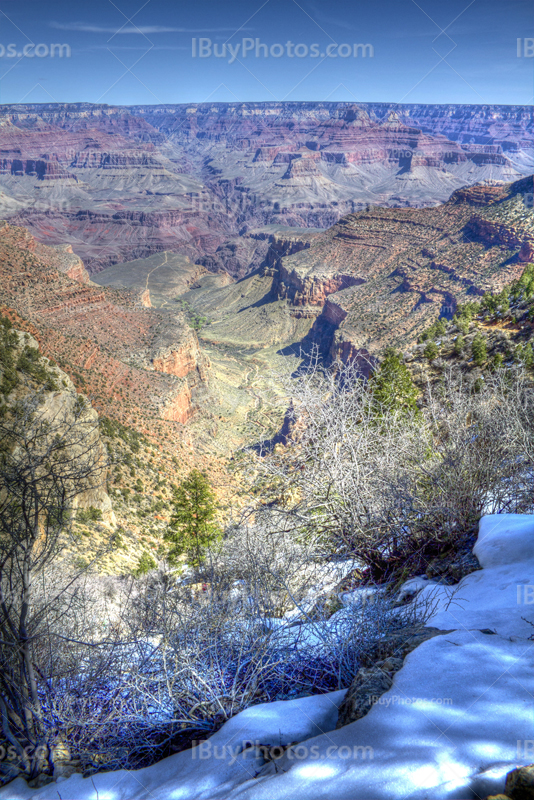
{"x":155,"y":340}
{"x":171,"y":258}
{"x":177,"y":266}
{"x":377,"y":277}
{"x":123,"y":183}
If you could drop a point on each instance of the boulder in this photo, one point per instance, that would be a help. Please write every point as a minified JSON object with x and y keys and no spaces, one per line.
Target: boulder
{"x":368,"y":685}
{"x":399,"y":643}
{"x":520,"y":783}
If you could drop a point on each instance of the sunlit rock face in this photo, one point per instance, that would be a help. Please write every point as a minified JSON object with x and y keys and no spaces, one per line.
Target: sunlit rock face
{"x":381,"y":276}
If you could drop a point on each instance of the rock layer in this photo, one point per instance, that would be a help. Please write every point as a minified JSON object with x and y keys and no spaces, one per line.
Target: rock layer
{"x":137,"y":364}
{"x":381,"y":276}
{"x":120,"y":184}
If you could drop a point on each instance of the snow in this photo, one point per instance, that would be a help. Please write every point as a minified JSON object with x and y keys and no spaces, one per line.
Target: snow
{"x":214,"y":768}
{"x":357,"y":596}
{"x":413,"y":586}
{"x":459,"y":716}
{"x":497,"y":597}
{"x":505,"y":539}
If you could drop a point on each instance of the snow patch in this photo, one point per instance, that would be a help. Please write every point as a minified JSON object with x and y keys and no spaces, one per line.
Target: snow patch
{"x":458,"y":717}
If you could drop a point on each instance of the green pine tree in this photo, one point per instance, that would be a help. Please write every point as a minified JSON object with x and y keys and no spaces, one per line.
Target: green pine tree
{"x":459,"y":344}
{"x":479,"y":350}
{"x":144,"y":565}
{"x":192,"y":528}
{"x":431,"y":351}
{"x":392,"y":385}
{"x":497,"y":361}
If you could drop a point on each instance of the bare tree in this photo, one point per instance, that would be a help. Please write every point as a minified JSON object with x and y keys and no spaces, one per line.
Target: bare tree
{"x":50,"y":453}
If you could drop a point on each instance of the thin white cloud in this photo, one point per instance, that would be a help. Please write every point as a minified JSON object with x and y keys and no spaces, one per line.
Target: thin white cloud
{"x":86,"y":27}
{"x":131,"y":47}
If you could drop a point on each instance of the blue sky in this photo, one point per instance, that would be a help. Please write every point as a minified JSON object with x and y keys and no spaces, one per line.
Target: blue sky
{"x":124,"y":52}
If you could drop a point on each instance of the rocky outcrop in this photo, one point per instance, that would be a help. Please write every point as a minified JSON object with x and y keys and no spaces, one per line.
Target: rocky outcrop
{"x":382,"y":275}
{"x":177,"y":406}
{"x":520,"y":784}
{"x":370,"y":683}
{"x":366,"y":688}
{"x":64,"y":409}
{"x":310,"y":290}
{"x":181,"y":360}
{"x":492,"y":232}
{"x":286,"y":242}
{"x":43,"y":170}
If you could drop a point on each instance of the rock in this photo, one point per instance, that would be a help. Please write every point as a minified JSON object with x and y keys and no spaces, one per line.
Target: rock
{"x":391,"y":664}
{"x":368,"y":685}
{"x":357,"y":596}
{"x":397,"y":644}
{"x":520,"y":783}
{"x":415,"y":636}
{"x":41,"y":780}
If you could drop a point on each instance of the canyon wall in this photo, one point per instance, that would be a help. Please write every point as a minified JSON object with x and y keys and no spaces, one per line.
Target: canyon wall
{"x":119,"y":184}
{"x":381,"y":276}
{"x":136,"y":364}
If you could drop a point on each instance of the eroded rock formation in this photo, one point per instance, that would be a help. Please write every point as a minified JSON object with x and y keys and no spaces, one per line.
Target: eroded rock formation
{"x":120,"y":184}
{"x":138,"y":365}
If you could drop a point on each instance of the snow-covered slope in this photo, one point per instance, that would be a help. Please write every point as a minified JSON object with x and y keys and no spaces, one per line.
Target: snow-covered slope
{"x":460,"y":713}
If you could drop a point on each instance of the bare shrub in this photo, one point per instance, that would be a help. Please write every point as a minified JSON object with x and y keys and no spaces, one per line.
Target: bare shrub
{"x":394,"y":487}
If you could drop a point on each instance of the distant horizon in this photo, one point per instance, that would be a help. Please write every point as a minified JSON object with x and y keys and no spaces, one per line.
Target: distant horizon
{"x":264,"y":103}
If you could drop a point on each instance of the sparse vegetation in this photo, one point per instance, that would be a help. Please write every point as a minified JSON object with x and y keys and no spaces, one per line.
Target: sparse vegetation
{"x":196,"y":321}
{"x":431,"y":351}
{"x":459,"y":345}
{"x":91,"y":514}
{"x":19,"y":360}
{"x":436,"y":330}
{"x":394,"y":494}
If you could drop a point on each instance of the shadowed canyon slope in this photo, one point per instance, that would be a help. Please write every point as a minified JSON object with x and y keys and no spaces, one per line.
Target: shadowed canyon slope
{"x":377,"y":277}
{"x":138,"y":365}
{"x":119,"y":184}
